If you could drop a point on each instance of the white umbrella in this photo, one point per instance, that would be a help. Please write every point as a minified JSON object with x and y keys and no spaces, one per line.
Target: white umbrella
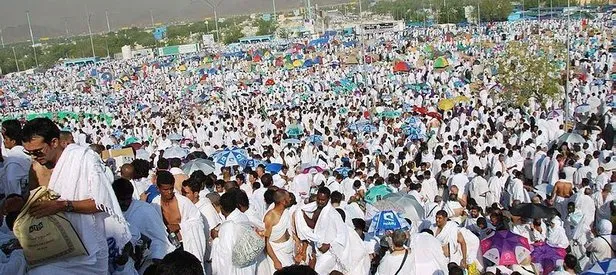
{"x":142,"y":154}
{"x":406,"y":205}
{"x":175,"y":137}
{"x":571,"y":138}
{"x":207,"y":166}
{"x":175,"y":152}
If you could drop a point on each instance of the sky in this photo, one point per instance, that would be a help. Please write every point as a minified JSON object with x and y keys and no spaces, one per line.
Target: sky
{"x":54,"y":17}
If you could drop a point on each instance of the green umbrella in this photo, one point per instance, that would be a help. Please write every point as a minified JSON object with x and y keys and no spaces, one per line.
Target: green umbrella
{"x":377,"y":193}
{"x":390,"y":114}
{"x":131,"y":140}
{"x":294,"y":130}
{"x":441,"y":63}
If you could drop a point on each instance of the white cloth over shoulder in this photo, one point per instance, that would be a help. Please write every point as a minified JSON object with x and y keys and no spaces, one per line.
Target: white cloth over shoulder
{"x":191,"y":226}
{"x":80,"y":175}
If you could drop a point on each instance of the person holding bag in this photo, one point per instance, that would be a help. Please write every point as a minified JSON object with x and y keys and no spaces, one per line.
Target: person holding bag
{"x":398,"y":260}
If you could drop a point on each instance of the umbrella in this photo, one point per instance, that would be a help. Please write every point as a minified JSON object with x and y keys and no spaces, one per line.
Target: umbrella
{"x":315,"y":139}
{"x":406,"y":205}
{"x":142,"y":154}
{"x":204,"y":165}
{"x":505,"y":248}
{"x":362,"y":126}
{"x":390,"y":114}
{"x":441,"y":63}
{"x":387,"y":220}
{"x":547,"y":256}
{"x":420,"y":110}
{"x":571,"y":138}
{"x":175,"y":136}
{"x":603,"y":267}
{"x":273,"y":168}
{"x":230,"y":157}
{"x":294,"y":130}
{"x":446,"y":104}
{"x":252,"y":163}
{"x":531,"y":210}
{"x":131,"y":140}
{"x":401,"y":66}
{"x":377,"y":193}
{"x":291,"y":141}
{"x":175,"y":152}
{"x":344,"y":171}
{"x":584,"y":108}
{"x":435,"y":115}
{"x":312,"y":169}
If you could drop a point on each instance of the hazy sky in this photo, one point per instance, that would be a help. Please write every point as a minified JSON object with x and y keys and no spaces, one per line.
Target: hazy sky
{"x":49,"y":16}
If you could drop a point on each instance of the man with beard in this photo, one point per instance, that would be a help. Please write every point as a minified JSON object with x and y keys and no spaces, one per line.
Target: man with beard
{"x":320,"y":225}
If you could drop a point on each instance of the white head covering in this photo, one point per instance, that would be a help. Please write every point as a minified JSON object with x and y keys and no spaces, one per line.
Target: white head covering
{"x":604,"y":227}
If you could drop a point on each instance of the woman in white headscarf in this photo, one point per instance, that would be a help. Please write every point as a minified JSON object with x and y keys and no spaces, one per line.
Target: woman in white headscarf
{"x":557,"y":237}
{"x":602,"y":246}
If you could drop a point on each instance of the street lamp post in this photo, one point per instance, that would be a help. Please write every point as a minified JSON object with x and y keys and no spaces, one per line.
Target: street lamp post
{"x":32,"y":37}
{"x":90,"y":33}
{"x":15,"y":58}
{"x":215,"y":8}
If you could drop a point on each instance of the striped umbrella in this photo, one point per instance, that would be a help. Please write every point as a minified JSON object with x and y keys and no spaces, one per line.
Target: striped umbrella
{"x":230,"y":157}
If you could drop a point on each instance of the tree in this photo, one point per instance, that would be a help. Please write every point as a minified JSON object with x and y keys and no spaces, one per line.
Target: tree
{"x":266,"y":27}
{"x":530,"y":74}
{"x":232,"y":34}
{"x":491,"y":11}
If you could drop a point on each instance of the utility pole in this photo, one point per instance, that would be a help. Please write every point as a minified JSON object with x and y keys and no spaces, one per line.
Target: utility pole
{"x":32,"y":37}
{"x":91,"y":39}
{"x":152,"y":18}
{"x":66,"y":27}
{"x":1,"y":37}
{"x":15,"y":57}
{"x":108,"y":25}
{"x":215,"y":8}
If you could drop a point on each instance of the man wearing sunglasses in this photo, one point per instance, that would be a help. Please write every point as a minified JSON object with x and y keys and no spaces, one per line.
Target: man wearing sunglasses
{"x":86,"y":198}
{"x":17,"y":163}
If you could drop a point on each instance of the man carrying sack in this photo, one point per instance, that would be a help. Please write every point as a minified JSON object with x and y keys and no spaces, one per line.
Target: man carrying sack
{"x":86,"y":200}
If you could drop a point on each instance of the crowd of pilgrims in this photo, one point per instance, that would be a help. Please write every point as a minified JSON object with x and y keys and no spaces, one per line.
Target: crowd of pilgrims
{"x":465,"y":167}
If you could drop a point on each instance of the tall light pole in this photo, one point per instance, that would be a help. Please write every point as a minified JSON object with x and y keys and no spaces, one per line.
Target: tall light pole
{"x":152,"y":18}
{"x":108,"y":25}
{"x":15,"y":57}
{"x":32,"y":37}
{"x":215,"y":8}
{"x":567,"y":107}
{"x":274,"y":6}
{"x":1,"y":37}
{"x":91,"y":39}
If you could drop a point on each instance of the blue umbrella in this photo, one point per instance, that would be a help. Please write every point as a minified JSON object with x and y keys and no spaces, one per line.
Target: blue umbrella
{"x":367,"y":128}
{"x":230,"y":157}
{"x":273,"y":168}
{"x":358,"y":126}
{"x":344,"y":171}
{"x":316,"y":139}
{"x":387,"y":220}
{"x":603,"y":267}
{"x":291,"y":141}
{"x":252,"y":163}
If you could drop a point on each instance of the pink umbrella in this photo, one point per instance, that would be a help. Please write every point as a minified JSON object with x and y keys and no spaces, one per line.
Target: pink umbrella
{"x":505,"y":248}
{"x":312,"y":169}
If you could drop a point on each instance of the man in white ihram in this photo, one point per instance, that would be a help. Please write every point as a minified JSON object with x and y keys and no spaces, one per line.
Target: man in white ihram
{"x":79,"y":177}
{"x":320,"y":224}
